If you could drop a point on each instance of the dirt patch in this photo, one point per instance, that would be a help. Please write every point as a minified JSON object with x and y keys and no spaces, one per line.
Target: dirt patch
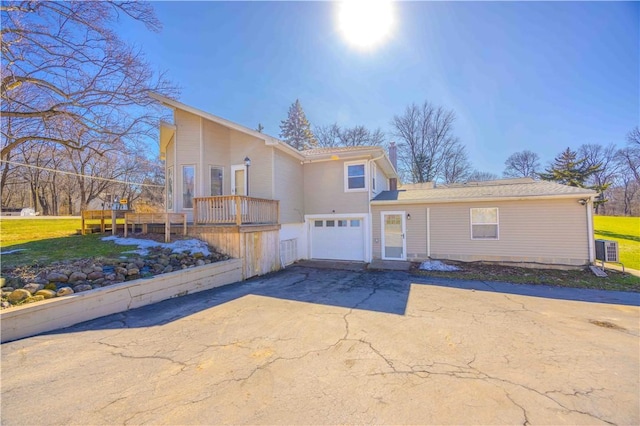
{"x":607,"y":324}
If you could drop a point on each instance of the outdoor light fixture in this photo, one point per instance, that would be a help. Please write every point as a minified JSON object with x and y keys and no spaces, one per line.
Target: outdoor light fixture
{"x":582,"y":202}
{"x":247,"y":162}
{"x":408,"y":216}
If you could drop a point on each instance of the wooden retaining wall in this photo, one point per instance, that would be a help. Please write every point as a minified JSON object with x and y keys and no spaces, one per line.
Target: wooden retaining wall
{"x":257,"y":245}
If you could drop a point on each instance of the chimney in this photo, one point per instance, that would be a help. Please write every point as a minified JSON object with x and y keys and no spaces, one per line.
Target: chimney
{"x":393,"y":155}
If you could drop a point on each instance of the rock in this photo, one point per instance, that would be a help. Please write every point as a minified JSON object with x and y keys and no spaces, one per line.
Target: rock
{"x":64,"y":291}
{"x":198,"y":255}
{"x":199,"y":262}
{"x":110,"y":277}
{"x":47,"y":294}
{"x":5,"y":304}
{"x":133,"y":271}
{"x":51,"y":286}
{"x":57,"y":277}
{"x":82,"y":287}
{"x":3,"y":281}
{"x":131,"y":266}
{"x":95,"y":275}
{"x":121,"y":271}
{"x":33,"y":299}
{"x":167,"y":268}
{"x":7,"y":289}
{"x":77,"y":276}
{"x":33,"y":287}
{"x":18,"y":295}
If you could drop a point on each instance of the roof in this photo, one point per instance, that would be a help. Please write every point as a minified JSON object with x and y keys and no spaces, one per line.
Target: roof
{"x":337,"y":149}
{"x":352,"y":153}
{"x":269,"y":140}
{"x":506,"y":189}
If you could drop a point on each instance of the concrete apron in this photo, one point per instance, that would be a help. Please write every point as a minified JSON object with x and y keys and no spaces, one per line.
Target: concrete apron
{"x":318,"y":346}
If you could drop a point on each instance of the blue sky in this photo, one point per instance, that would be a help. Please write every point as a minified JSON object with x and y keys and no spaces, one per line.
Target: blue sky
{"x":520,"y":75}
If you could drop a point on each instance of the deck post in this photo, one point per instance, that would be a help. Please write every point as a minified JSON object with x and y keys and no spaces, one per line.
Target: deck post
{"x":238,"y":210}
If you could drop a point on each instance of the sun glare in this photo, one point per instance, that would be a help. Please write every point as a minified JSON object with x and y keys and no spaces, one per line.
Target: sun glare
{"x":365,"y":24}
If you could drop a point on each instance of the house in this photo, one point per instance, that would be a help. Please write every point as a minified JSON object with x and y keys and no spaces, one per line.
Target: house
{"x":345,"y":203}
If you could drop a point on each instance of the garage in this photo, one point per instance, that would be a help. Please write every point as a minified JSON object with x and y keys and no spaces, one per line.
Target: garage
{"x":338,"y":238}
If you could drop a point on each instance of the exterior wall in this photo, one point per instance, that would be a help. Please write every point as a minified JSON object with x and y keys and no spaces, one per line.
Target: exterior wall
{"x":382,"y":183}
{"x":530,"y":231}
{"x":324,"y":190}
{"x":216,"y":153}
{"x":188,"y":153}
{"x":261,"y":156}
{"x":289,"y":187}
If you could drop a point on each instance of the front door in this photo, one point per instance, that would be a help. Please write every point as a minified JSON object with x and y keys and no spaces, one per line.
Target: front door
{"x":238,"y":180}
{"x":393,"y":236}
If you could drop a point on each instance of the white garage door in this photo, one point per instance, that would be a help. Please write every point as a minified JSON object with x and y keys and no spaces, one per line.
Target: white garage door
{"x":338,"y":239}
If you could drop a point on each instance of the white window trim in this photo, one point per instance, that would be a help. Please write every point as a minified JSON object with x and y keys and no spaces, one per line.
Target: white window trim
{"x":346,"y":176}
{"x":211,"y":167}
{"x":497,"y":223}
{"x":195,"y":184}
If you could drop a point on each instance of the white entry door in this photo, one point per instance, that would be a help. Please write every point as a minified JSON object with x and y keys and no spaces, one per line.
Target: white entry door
{"x":394,"y":243}
{"x":238,"y":180}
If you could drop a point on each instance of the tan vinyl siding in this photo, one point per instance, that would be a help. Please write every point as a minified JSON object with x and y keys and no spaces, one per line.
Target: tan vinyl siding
{"x":324,"y":190}
{"x":530,"y":231}
{"x":261,"y":169}
{"x":416,"y":228}
{"x":216,"y":153}
{"x":289,"y":187}
{"x":188,"y":153}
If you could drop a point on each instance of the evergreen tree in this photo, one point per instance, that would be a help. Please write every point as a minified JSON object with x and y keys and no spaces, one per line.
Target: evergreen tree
{"x":260,"y":128}
{"x":296,"y":130}
{"x":570,"y":170}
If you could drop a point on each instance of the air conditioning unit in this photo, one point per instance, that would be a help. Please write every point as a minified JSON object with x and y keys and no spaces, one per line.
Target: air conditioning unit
{"x":607,"y":251}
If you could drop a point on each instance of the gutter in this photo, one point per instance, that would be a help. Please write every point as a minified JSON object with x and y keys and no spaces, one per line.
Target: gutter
{"x":480,"y":199}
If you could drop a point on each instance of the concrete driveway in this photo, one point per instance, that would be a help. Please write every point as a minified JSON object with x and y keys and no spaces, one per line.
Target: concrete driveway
{"x":319,"y":346}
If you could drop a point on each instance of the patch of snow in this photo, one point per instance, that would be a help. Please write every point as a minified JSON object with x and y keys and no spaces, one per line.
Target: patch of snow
{"x":436,"y":265}
{"x":178,"y":246}
{"x":11,"y":251}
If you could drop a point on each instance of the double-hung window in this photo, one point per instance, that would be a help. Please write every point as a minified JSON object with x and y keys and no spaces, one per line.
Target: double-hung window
{"x":484,"y":223}
{"x":355,"y":176}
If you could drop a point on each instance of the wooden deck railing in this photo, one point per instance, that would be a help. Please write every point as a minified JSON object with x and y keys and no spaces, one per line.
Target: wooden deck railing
{"x":235,"y":210}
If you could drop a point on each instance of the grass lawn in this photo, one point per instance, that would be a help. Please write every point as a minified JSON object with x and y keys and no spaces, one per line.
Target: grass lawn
{"x":624,"y":230}
{"x":50,"y":240}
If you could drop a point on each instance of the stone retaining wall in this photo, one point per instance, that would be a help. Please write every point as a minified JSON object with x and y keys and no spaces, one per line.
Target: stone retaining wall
{"x":28,"y":320}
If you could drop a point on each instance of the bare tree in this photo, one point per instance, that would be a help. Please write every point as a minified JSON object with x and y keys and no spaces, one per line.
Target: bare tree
{"x":480,"y":176}
{"x":522,"y":164}
{"x":65,"y":72}
{"x":333,"y":135}
{"x":425,"y":135}
{"x":604,"y":176}
{"x":456,"y":166}
{"x":630,"y":155}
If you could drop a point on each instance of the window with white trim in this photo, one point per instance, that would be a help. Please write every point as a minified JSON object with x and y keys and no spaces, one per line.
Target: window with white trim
{"x":484,"y":223}
{"x":355,"y":176}
{"x":170,"y":188}
{"x":216,"y":180}
{"x":188,"y":186}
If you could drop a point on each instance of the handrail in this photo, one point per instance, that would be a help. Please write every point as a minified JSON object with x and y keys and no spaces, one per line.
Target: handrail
{"x":235,"y":210}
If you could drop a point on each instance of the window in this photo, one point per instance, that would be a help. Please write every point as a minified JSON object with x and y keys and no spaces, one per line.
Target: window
{"x":484,"y":223}
{"x":342,"y":224}
{"x":170,"y":189}
{"x":355,"y":223}
{"x":188,"y":186}
{"x":331,"y":223}
{"x":317,"y":224}
{"x":355,"y":176}
{"x":216,"y":180}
